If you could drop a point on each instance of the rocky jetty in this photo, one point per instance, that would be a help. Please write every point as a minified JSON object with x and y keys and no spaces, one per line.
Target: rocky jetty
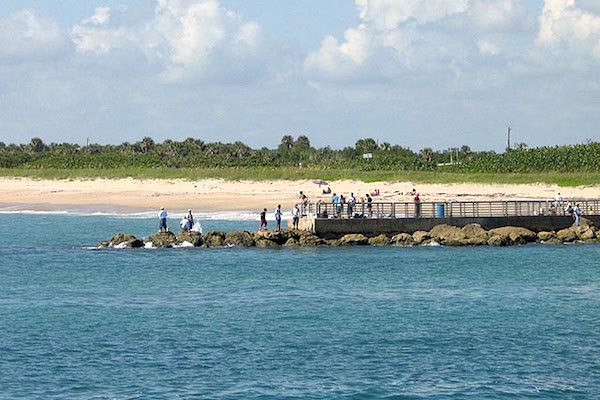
{"x":446,"y":235}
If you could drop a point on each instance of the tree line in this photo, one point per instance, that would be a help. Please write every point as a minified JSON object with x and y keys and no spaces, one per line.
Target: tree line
{"x":298,"y":152}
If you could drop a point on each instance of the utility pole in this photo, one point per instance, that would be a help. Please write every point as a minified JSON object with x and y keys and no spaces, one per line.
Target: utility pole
{"x":508,"y":138}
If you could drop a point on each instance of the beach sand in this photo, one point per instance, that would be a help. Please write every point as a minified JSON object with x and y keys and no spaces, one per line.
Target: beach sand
{"x":212,"y":195}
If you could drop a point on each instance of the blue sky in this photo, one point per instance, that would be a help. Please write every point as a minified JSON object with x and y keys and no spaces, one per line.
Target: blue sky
{"x":419,"y":73}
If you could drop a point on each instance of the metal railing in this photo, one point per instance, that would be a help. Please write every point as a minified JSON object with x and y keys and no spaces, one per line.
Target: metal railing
{"x":508,"y":208}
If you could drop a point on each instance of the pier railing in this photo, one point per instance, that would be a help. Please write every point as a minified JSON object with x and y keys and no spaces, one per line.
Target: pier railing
{"x":508,"y":208}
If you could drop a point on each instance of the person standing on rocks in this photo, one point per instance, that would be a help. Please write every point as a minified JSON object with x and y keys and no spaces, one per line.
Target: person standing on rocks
{"x":278,"y":218}
{"x":577,"y":214}
{"x":263,"y":219}
{"x":162,"y":220}
{"x":295,"y":216}
{"x":190,"y":218}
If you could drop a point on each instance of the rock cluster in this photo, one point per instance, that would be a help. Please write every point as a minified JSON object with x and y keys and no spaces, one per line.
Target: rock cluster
{"x":470,"y":235}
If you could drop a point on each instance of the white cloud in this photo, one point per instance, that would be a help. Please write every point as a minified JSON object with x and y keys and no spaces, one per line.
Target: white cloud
{"x":570,"y":32}
{"x":185,"y":39}
{"x":398,"y":39}
{"x":500,"y":16}
{"x":388,"y":14}
{"x":487,"y":47}
{"x":25,"y":36}
{"x":94,"y":35}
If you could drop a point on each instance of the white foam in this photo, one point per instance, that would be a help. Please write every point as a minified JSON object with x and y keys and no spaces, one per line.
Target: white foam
{"x":183,"y":245}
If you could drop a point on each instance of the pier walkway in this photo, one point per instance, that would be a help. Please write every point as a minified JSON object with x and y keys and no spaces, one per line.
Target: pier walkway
{"x":389,"y":217}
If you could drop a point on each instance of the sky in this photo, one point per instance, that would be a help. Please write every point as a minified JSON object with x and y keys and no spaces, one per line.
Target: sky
{"x":415,"y":73}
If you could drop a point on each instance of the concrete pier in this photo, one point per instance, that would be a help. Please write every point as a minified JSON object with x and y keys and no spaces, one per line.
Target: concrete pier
{"x":387,"y":218}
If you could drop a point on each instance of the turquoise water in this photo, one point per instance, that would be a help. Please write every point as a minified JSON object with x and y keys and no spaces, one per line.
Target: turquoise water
{"x":321,"y":323}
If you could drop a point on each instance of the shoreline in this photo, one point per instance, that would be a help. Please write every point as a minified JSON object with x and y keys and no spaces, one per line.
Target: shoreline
{"x":217,"y":195}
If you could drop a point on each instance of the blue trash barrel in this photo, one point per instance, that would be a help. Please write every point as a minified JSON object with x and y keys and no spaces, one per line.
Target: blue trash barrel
{"x":439,"y":210}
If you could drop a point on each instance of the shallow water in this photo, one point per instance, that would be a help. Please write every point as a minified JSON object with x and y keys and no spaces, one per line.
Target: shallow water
{"x":318,"y":323}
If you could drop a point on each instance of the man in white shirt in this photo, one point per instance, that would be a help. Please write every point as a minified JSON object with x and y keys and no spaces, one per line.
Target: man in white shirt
{"x":162,"y":218}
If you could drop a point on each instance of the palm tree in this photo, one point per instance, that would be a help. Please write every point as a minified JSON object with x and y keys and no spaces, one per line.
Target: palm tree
{"x":426,"y":154}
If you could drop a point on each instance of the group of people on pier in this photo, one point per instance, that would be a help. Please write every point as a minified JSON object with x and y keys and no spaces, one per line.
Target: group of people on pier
{"x":574,"y":210}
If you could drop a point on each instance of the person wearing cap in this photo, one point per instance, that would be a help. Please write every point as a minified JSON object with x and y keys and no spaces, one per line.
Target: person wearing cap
{"x":162,"y":218}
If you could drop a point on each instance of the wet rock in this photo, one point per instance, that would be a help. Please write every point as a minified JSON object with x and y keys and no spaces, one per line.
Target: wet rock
{"x":291,"y":242}
{"x":545,"y":236}
{"x":195,"y":238}
{"x":278,"y":237}
{"x":420,"y":236}
{"x":515,"y":234}
{"x":241,"y":239}
{"x":448,"y":235}
{"x":497,"y":240}
{"x":402,"y":239}
{"x":354,"y":239}
{"x":163,"y":239}
{"x":214,"y":239}
{"x":566,"y":235}
{"x":477,"y":241}
{"x":380,"y":240}
{"x":584,"y":232}
{"x":476,"y":233}
{"x":125,"y":240}
{"x":310,"y":239}
{"x":266,"y":243}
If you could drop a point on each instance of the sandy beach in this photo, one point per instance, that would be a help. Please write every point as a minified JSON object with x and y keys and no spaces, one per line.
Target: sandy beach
{"x":129,"y":195}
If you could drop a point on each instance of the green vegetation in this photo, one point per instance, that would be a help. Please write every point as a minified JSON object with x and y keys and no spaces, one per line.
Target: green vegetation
{"x":297,"y":159}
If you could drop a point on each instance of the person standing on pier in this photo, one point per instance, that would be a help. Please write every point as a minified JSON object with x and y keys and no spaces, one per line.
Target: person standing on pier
{"x":417,"y":202}
{"x":558,"y":202}
{"x":351,"y":202}
{"x":369,"y":205}
{"x":336,"y":201}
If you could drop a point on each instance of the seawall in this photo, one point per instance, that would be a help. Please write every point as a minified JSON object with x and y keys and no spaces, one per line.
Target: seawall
{"x":334,"y":227}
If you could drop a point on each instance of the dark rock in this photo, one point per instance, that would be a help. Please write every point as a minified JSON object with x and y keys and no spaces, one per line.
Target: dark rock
{"x":266,"y":243}
{"x":242,"y":239}
{"x":125,"y":240}
{"x":192,"y":237}
{"x":310,"y":239}
{"x":279,"y":237}
{"x":291,"y":242}
{"x":163,"y":239}
{"x":214,"y":239}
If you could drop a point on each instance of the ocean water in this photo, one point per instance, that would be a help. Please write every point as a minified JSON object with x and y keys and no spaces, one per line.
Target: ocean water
{"x":319,"y":323}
